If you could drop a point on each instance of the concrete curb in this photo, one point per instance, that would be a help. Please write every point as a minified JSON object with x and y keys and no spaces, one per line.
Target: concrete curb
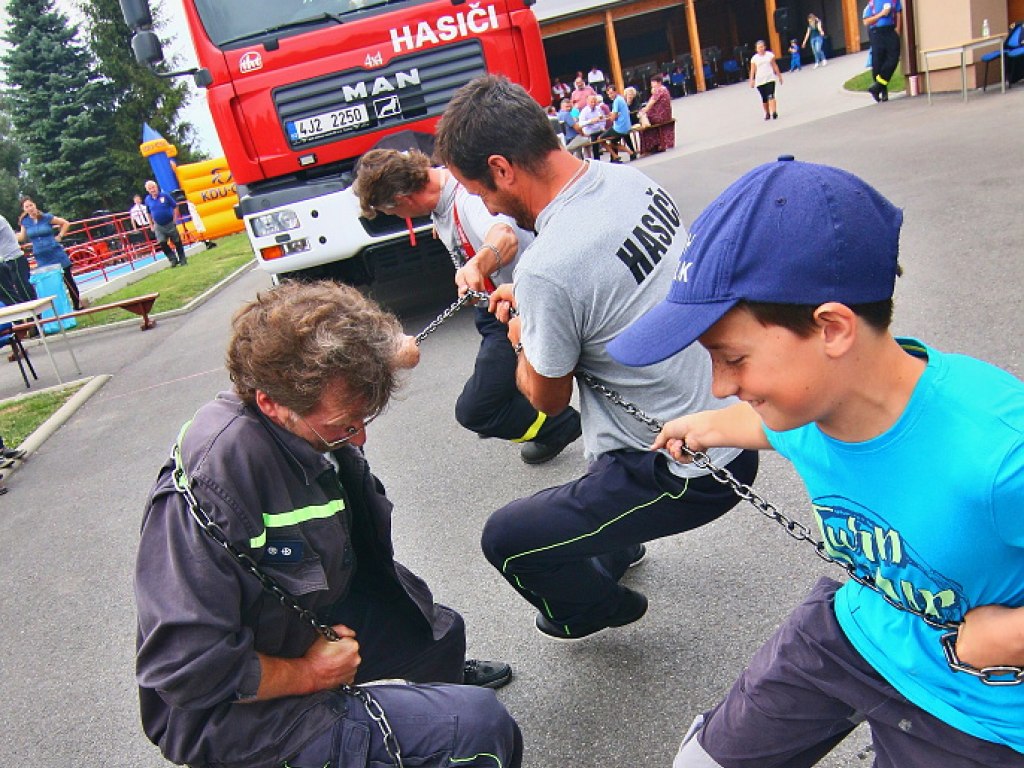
{"x":45,"y":430}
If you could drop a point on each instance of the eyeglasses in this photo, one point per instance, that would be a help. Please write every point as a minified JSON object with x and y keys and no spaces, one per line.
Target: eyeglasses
{"x":350,"y":433}
{"x":385,"y":207}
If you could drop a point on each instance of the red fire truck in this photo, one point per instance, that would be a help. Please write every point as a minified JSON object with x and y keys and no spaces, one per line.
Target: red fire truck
{"x":298,"y":91}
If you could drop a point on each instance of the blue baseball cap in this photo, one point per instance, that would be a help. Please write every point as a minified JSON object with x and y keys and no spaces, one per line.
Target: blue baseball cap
{"x":785,"y":233}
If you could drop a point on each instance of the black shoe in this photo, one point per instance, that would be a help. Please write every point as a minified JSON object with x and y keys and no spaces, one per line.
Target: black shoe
{"x":174,"y":264}
{"x":536,"y":452}
{"x":632,"y":607}
{"x":775,"y":115}
{"x":876,"y":92}
{"x":210,"y":244}
{"x":12,"y":453}
{"x":639,"y":555}
{"x":885,"y":93}
{"x":183,"y":263}
{"x":6,"y":463}
{"x":486,"y":674}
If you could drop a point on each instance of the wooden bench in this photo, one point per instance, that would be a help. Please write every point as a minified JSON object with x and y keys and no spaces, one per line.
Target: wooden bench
{"x":635,"y":132}
{"x":138,"y":305}
{"x":638,"y":129}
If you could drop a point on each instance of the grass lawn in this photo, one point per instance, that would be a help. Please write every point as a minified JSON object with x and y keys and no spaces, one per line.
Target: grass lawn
{"x":863,"y":81}
{"x":20,"y":418}
{"x":177,"y":287}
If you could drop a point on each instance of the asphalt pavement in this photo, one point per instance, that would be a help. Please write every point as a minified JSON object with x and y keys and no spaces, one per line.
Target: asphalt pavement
{"x":69,"y":523}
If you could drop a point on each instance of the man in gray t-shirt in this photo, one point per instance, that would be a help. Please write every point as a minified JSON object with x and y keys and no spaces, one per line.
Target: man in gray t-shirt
{"x":487,"y":247}
{"x":14,"y":272}
{"x":575,"y":288}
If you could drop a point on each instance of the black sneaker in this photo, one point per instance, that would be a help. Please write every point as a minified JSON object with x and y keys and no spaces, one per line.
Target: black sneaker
{"x":639,"y":555}
{"x":12,"y":453}
{"x":876,"y":92}
{"x":536,"y":452}
{"x":632,"y":608}
{"x":486,"y":674}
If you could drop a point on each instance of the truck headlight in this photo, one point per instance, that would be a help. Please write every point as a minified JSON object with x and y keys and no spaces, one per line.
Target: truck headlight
{"x":274,"y":223}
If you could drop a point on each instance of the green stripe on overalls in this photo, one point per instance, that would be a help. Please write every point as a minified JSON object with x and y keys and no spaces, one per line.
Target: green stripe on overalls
{"x":534,"y":428}
{"x":296,"y":517}
{"x":277,"y":519}
{"x":627,"y":513}
{"x":455,"y":760}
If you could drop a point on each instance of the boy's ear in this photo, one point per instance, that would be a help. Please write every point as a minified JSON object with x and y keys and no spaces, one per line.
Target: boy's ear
{"x":837,"y":325}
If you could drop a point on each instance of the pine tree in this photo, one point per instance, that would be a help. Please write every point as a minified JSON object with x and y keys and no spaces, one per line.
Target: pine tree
{"x":61,"y":109}
{"x":139,"y":96}
{"x":10,"y":170}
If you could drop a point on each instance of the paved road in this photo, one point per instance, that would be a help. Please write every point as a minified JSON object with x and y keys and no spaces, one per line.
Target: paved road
{"x":69,"y":523}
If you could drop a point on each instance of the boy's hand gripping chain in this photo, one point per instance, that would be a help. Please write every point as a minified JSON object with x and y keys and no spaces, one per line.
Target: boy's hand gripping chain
{"x":1000,"y":675}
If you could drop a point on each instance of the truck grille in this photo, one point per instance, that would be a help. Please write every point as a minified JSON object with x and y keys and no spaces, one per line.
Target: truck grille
{"x":409,"y":88}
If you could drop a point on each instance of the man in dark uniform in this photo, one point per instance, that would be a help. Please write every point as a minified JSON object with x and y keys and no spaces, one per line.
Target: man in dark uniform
{"x":882,"y":18}
{"x":231,"y":676}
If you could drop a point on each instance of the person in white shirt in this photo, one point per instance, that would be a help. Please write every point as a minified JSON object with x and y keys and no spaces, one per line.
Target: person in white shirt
{"x":764,"y":73}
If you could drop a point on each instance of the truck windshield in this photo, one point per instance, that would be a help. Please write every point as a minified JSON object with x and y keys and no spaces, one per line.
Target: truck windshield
{"x":239,"y":21}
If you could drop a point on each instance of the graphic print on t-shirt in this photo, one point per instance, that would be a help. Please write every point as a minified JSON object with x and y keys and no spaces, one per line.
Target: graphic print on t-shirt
{"x":650,"y":239}
{"x":853,"y":534}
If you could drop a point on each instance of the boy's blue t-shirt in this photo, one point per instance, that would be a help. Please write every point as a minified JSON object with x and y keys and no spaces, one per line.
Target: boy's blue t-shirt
{"x":875,"y":6}
{"x":933,"y":512}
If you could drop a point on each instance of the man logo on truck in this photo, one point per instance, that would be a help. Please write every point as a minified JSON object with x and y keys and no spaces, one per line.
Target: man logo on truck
{"x":389,"y":107}
{"x":381,"y":85}
{"x":447,"y":28}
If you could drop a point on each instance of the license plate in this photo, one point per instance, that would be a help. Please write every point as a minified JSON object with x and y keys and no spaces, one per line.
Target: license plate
{"x":344,"y":119}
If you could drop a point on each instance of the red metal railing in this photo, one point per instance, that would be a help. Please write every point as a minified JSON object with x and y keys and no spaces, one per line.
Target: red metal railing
{"x":100,"y":245}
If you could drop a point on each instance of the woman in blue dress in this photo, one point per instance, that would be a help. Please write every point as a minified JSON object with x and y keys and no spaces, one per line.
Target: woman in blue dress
{"x":37,"y":228}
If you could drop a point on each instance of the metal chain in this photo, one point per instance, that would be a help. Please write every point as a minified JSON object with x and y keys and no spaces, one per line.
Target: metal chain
{"x":434,"y":324}
{"x":205,"y":522}
{"x":800,"y":532}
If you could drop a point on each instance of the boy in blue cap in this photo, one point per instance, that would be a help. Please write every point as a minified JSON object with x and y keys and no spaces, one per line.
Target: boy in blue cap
{"x":914,"y":461}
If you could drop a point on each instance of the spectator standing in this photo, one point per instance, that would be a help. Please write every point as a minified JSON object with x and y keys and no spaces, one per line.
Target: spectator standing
{"x":162,"y":209}
{"x":764,"y":73}
{"x":228,"y":675}
{"x":559,"y":91}
{"x":37,"y":228}
{"x":794,"y":56}
{"x":599,"y":262}
{"x":658,"y":110}
{"x":581,"y":93}
{"x":403,"y":184}
{"x":595,"y":79}
{"x":816,"y":34}
{"x":139,"y":214}
{"x":617,"y":135}
{"x":882,"y":18}
{"x":15,"y":283}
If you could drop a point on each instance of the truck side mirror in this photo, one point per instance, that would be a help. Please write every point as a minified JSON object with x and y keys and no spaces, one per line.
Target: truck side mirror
{"x":202,"y":78}
{"x":147,"y":48}
{"x":137,"y":14}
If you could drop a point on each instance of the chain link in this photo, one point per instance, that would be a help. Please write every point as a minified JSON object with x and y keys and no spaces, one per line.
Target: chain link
{"x":373,"y":707}
{"x":434,"y":324}
{"x":800,"y":532}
